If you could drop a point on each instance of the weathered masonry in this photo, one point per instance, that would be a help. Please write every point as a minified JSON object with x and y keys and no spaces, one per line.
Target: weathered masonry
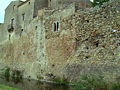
{"x":19,"y":14}
{"x":61,"y":38}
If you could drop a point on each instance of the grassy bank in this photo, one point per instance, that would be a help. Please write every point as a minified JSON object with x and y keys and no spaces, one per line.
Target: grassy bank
{"x":4,"y":87}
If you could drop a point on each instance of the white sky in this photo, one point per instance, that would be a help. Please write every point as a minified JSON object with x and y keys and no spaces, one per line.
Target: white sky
{"x":3,"y":5}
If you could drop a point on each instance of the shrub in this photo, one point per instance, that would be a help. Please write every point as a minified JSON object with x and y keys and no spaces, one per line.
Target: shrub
{"x":16,"y":75}
{"x":60,"y":80}
{"x":89,"y":82}
{"x":98,"y":2}
{"x":7,"y":73}
{"x":114,"y":86}
{"x":39,"y":77}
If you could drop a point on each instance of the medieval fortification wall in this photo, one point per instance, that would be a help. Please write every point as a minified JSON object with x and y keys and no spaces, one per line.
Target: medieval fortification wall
{"x":68,"y":42}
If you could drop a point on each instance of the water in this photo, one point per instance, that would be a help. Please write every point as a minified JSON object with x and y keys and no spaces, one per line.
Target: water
{"x":33,"y":85}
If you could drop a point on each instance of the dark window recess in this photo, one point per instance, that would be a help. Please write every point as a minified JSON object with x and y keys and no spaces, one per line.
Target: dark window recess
{"x":23,"y":16}
{"x":36,"y":27}
{"x":56,"y":26}
{"x":22,"y":30}
{"x":87,"y":57}
{"x":87,"y":47}
{"x":29,"y":3}
{"x":53,"y":65}
{"x":23,"y":53}
{"x":87,"y":21}
{"x":9,"y":36}
{"x":105,"y":17}
{"x":12,"y":22}
{"x":13,"y":7}
{"x":96,"y":43}
{"x":10,"y":26}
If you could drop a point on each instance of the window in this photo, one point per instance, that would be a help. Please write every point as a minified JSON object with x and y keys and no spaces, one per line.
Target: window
{"x":12,"y":22}
{"x":29,"y":3}
{"x":22,"y":30}
{"x":56,"y":27}
{"x":36,"y":27}
{"x":13,"y":7}
{"x":9,"y":36}
{"x":23,"y":16}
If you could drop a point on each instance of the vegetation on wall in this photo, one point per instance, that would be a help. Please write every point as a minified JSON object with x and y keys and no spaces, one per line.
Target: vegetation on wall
{"x":61,"y":81}
{"x":7,"y":73}
{"x":17,"y":75}
{"x":95,"y":82}
{"x":98,"y":2}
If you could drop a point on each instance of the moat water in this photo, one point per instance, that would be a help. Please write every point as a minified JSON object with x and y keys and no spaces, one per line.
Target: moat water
{"x":33,"y":85}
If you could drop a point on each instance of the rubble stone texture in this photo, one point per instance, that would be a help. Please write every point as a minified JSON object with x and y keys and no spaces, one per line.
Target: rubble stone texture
{"x":87,"y":42}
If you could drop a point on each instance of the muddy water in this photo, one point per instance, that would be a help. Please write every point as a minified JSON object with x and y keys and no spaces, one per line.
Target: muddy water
{"x":33,"y":85}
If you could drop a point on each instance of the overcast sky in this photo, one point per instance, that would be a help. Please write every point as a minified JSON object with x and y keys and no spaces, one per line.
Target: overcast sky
{"x":3,"y":5}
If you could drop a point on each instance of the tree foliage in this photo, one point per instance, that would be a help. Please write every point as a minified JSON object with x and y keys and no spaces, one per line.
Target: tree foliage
{"x":98,"y":2}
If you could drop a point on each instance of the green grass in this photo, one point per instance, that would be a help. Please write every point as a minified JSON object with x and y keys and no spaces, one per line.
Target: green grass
{"x":4,"y":87}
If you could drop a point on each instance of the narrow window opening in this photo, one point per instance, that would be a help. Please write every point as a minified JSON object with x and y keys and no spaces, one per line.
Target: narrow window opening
{"x":23,"y":16}
{"x":12,"y":22}
{"x":87,"y":21}
{"x":53,"y":65}
{"x":36,"y":27}
{"x":13,"y":7}
{"x":87,"y":47}
{"x":22,"y":30}
{"x":96,"y":43}
{"x":54,"y":27}
{"x":9,"y":36}
{"x":105,"y":17}
{"x":11,"y":26}
{"x":29,"y":3}
{"x":57,"y":26}
{"x":23,"y":53}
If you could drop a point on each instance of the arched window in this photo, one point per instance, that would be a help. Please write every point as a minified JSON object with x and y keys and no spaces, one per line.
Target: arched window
{"x":56,"y":26}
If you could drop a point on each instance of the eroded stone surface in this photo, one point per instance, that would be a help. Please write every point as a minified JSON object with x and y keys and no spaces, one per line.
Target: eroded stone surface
{"x":87,"y":42}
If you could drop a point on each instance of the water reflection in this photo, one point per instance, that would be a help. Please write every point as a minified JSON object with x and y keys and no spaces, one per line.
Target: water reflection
{"x":33,"y":85}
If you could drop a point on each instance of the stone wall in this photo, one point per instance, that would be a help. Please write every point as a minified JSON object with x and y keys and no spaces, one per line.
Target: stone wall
{"x":87,"y":42}
{"x":39,"y":4}
{"x":26,"y":53}
{"x":1,"y":32}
